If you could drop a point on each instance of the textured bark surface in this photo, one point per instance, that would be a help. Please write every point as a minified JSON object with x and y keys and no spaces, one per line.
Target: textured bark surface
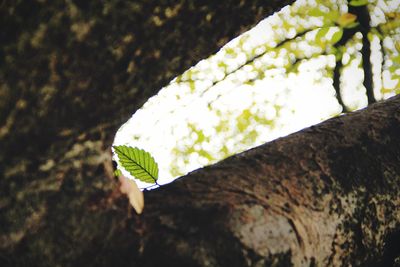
{"x":326,"y":196}
{"x":71,"y":72}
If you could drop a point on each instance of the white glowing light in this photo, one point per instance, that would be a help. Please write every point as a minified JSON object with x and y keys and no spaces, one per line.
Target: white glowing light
{"x":284,"y":102}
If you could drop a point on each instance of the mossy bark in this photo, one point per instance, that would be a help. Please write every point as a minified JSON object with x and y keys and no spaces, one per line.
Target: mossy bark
{"x":71,"y":72}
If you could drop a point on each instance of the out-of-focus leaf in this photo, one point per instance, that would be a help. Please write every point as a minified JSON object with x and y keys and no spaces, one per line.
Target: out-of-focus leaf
{"x":243,"y":120}
{"x":230,"y":52}
{"x":397,"y":46}
{"x":371,"y":36}
{"x":117,"y":173}
{"x":337,"y":36}
{"x":390,"y":25}
{"x":333,"y":15}
{"x":135,"y":196}
{"x":358,"y":2}
{"x":205,"y":154}
{"x":352,"y":25}
{"x":393,"y":15}
{"x":392,"y":68}
{"x":321,"y":33}
{"x":338,"y":54}
{"x":346,"y":19}
{"x":286,"y":25}
{"x":397,"y":86}
{"x":192,"y":85}
{"x":222,"y":65}
{"x":377,"y":33}
{"x":396,"y":59}
{"x":316,"y":12}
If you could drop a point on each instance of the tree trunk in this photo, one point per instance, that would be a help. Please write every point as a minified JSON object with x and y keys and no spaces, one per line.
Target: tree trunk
{"x":328,"y":195}
{"x":71,"y":72}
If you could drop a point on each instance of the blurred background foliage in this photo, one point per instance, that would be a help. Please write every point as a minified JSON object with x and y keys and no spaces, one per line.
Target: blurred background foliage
{"x":309,"y":62}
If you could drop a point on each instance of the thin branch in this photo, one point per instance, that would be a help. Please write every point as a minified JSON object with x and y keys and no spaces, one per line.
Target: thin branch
{"x":383,"y":57}
{"x":347,"y":35}
{"x":367,"y":67}
{"x":288,"y":70}
{"x":252,"y":59}
{"x":364,"y":20}
{"x":336,"y":84}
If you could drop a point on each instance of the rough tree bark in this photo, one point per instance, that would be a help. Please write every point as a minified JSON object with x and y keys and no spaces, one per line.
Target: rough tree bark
{"x":71,"y":72}
{"x":326,"y":196}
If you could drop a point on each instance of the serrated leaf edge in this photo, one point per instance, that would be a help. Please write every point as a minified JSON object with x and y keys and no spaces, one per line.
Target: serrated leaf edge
{"x":136,"y":153}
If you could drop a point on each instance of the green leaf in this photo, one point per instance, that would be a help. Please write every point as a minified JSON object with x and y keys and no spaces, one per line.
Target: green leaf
{"x":346,"y":19}
{"x":376,"y":32}
{"x":321,"y":33}
{"x":332,"y":15}
{"x":393,"y":68}
{"x":358,"y":2}
{"x":338,"y":54}
{"x":396,"y":59}
{"x":117,"y":173}
{"x":337,"y":36}
{"x":138,"y":163}
{"x":316,"y":12}
{"x":351,"y":25}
